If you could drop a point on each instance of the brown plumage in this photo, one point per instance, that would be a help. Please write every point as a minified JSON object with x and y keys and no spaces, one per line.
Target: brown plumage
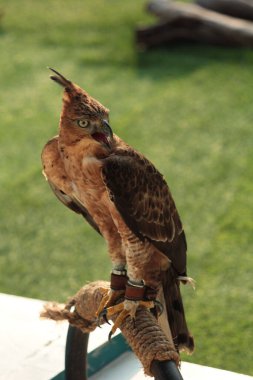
{"x":124,"y":197}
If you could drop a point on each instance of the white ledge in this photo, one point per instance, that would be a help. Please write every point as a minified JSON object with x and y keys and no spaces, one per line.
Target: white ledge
{"x":32,"y":348}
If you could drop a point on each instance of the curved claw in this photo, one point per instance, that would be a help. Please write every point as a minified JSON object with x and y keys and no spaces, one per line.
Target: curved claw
{"x":98,"y":322}
{"x":103,"y":315}
{"x":110,"y":335}
{"x":125,"y":312}
{"x":102,"y":305}
{"x":159,"y":307}
{"x":117,"y":323}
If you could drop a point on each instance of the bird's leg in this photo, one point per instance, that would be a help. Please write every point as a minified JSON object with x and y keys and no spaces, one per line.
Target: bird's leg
{"x":144,"y":271}
{"x":116,"y":291}
{"x":137,"y":294}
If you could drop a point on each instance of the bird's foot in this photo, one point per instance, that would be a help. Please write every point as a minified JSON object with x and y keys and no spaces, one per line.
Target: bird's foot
{"x":110,"y":297}
{"x":124,"y":310}
{"x":113,"y":294}
{"x":135,"y":296}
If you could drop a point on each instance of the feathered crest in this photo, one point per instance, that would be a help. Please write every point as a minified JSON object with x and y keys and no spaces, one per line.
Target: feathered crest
{"x":81,"y":102}
{"x":60,"y":79}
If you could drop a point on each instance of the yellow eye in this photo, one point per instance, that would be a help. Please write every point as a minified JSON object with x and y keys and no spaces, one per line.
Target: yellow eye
{"x":83,"y":123}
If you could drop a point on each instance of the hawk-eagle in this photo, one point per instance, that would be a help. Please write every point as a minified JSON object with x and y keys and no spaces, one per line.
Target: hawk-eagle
{"x":124,"y":198}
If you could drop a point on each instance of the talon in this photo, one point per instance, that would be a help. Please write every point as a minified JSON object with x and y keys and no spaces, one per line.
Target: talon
{"x":102,"y":305}
{"x":109,"y":298}
{"x":103,"y":314}
{"x":124,"y":310}
{"x":159,"y":307}
{"x":106,"y":320}
{"x":98,"y":323}
{"x":119,"y":320}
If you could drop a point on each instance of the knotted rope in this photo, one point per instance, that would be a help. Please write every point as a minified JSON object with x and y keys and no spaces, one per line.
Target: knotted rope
{"x":144,"y":335}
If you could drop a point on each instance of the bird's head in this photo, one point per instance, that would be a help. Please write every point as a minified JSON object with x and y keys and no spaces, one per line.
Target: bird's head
{"x":82,"y":116}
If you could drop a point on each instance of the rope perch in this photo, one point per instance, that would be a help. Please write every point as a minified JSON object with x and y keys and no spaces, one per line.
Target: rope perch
{"x":144,"y":335}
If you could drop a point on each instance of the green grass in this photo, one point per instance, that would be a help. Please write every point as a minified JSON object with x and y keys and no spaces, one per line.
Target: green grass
{"x":188,"y":108}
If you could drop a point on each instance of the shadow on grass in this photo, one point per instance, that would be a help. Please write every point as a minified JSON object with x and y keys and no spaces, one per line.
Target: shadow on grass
{"x":182,"y":59}
{"x":2,"y":31}
{"x":174,"y":61}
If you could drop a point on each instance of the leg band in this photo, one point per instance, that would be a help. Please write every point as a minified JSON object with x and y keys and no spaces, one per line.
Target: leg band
{"x":118,"y":280}
{"x":140,"y":292}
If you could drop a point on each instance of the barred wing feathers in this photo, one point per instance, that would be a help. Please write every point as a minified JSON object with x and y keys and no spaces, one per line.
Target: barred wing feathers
{"x":144,"y":201}
{"x":74,"y":205}
{"x":54,"y":171}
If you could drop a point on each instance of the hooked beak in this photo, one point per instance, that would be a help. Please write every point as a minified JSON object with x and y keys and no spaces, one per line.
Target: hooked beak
{"x":107,"y":129}
{"x":104,"y":135}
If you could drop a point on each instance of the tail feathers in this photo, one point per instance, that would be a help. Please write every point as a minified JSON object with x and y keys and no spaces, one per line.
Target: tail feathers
{"x":187,"y":280}
{"x":181,"y":336}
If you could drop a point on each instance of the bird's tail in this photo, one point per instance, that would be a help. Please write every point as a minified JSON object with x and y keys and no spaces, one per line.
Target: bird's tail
{"x":174,"y":308}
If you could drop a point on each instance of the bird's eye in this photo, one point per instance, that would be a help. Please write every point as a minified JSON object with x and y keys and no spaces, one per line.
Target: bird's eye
{"x":83,"y":123}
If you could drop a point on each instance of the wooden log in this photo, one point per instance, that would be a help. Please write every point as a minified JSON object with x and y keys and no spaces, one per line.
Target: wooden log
{"x":236,"y":8}
{"x":190,"y":22}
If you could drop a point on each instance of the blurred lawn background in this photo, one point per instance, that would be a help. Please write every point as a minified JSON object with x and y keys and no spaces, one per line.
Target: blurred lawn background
{"x":187,"y":108}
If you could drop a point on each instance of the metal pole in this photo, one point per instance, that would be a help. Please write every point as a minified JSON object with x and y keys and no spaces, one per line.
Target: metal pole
{"x":76,"y":359}
{"x":76,"y":354}
{"x":166,"y":370}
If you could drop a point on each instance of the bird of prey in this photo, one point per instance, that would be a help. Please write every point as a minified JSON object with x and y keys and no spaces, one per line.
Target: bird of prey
{"x":124,"y":198}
